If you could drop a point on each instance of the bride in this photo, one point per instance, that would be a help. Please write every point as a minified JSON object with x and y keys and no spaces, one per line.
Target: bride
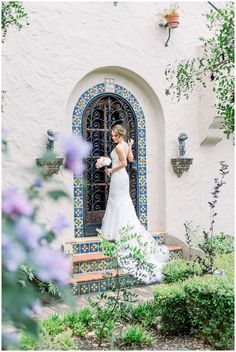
{"x":120,"y":214}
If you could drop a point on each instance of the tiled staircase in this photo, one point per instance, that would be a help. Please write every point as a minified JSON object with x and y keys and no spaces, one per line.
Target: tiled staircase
{"x":90,"y":264}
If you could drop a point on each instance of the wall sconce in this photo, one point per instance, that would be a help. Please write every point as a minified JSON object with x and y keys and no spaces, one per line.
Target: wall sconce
{"x":50,"y":164}
{"x":172,"y":22}
{"x":115,"y":3}
{"x":181,"y":163}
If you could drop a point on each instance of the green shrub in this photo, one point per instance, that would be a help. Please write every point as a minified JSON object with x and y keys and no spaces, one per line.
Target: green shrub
{"x":136,"y":336}
{"x":170,"y":300}
{"x":144,"y":313}
{"x":108,"y":327}
{"x":53,"y":325}
{"x":62,"y":341}
{"x":71,"y":320}
{"x":28,"y":342}
{"x":226,"y":262}
{"x":179,"y":270}
{"x":222,"y":243}
{"x":210,"y":302}
{"x":86,"y":316}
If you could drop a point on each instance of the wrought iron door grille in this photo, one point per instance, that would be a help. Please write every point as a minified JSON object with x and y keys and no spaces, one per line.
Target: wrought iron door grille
{"x":100,"y":115}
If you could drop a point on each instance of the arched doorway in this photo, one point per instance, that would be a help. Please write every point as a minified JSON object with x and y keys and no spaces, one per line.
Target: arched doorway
{"x":99,"y":116}
{"x":118,"y":105}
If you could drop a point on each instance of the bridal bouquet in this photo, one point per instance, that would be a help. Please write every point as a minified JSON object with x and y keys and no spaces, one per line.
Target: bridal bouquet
{"x":103,"y":161}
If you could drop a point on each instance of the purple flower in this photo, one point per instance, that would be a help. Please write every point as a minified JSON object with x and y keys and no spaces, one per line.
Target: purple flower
{"x":35,"y":308}
{"x":4,"y":132}
{"x":59,"y":224}
{"x":13,"y":254}
{"x":14,"y":203}
{"x":76,"y":149}
{"x":9,"y":340}
{"x":52,"y":265}
{"x":28,"y":232}
{"x":38,"y":183}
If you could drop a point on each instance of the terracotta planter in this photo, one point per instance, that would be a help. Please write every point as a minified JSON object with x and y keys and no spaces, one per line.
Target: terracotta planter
{"x":172,"y":20}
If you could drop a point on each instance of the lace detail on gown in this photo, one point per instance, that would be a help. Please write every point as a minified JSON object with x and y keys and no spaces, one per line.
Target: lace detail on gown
{"x":120,"y":213}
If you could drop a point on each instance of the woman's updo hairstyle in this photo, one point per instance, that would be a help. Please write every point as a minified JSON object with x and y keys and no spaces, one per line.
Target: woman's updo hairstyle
{"x":119,"y":130}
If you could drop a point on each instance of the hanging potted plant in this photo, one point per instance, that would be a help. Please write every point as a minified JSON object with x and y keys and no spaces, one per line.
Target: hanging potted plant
{"x":171,"y":15}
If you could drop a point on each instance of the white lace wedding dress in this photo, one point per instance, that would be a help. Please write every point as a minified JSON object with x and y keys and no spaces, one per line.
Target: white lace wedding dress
{"x":120,"y":213}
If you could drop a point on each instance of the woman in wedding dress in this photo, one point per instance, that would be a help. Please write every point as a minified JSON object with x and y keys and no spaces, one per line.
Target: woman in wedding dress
{"x":120,"y":213}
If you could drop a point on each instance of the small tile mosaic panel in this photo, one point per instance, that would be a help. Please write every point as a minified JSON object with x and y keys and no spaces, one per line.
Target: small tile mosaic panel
{"x":102,"y":285}
{"x":91,"y":266}
{"x":176,"y":254}
{"x":141,"y":135}
{"x":95,"y":246}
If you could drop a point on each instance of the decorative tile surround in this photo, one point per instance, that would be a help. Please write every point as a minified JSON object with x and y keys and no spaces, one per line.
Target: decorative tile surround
{"x":80,"y":106}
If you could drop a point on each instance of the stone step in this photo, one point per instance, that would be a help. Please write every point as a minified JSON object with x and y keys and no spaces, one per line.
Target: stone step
{"x":100,"y":281}
{"x":96,"y":262}
{"x":93,"y":244}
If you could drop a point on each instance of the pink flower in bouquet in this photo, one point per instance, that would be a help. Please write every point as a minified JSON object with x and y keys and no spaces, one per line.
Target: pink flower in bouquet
{"x":103,"y":161}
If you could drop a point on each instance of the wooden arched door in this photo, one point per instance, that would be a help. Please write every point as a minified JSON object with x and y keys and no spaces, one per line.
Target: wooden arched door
{"x":100,"y":115}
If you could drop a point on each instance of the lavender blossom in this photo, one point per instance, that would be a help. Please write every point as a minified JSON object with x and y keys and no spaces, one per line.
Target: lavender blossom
{"x":59,"y":224}
{"x":28,"y":232}
{"x":14,"y":203}
{"x":34,"y":308}
{"x":52,"y":265}
{"x":76,"y":149}
{"x":5,"y":132}
{"x":12,"y":253}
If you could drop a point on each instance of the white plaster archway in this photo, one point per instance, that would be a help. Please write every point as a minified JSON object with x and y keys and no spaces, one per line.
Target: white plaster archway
{"x":155,"y":133}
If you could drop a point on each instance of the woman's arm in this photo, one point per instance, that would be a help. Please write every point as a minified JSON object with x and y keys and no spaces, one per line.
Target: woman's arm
{"x":123,"y":161}
{"x":130,"y":155}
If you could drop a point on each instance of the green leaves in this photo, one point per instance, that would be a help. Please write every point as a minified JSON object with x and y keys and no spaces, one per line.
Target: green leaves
{"x":57,"y":194}
{"x":12,"y":15}
{"x":217,"y":58}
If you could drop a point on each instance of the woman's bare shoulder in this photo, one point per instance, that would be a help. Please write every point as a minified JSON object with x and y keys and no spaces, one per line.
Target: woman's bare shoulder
{"x":121,"y":147}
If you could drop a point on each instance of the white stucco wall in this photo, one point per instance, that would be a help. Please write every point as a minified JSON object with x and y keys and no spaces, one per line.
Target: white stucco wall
{"x":70,"y":46}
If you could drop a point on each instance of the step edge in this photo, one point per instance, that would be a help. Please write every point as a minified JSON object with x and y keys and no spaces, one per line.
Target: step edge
{"x":96,"y":238}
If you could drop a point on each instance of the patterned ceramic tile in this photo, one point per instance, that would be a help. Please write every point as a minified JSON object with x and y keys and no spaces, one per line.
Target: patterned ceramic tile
{"x":142,"y":142}
{"x":118,"y":89}
{"x":142,"y":152}
{"x":140,"y":115}
{"x":78,"y":212}
{"x":142,"y":171}
{"x":78,"y":191}
{"x":176,"y":254}
{"x":141,"y":123}
{"x":142,"y":161}
{"x":94,"y":287}
{"x":78,"y":222}
{"x":132,"y":99}
{"x":100,"y":88}
{"x":142,"y":190}
{"x":143,"y":218}
{"x":125,"y":93}
{"x":83,"y":288}
{"x":77,"y":131}
{"x":85,"y":248}
{"x":136,"y":107}
{"x":77,"y":114}
{"x":143,"y":200}
{"x":75,"y":248}
{"x":103,"y":285}
{"x":78,"y":181}
{"x":76,"y":121}
{"x":94,"y":247}
{"x":141,"y":133}
{"x":78,"y":202}
{"x":78,"y":232}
